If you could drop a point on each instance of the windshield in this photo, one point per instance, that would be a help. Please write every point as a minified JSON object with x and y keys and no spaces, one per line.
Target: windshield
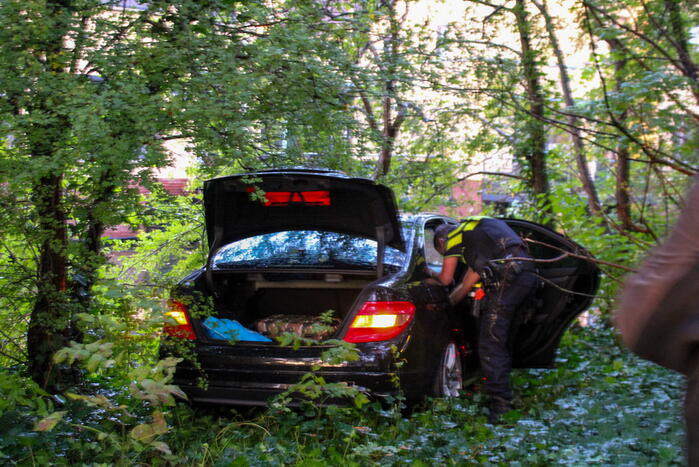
{"x":304,"y":249}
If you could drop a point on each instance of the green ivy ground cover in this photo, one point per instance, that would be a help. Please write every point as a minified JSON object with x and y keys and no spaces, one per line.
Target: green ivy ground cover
{"x":600,"y":406}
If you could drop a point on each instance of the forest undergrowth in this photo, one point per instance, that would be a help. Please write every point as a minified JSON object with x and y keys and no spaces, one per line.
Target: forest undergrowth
{"x":599,"y":406}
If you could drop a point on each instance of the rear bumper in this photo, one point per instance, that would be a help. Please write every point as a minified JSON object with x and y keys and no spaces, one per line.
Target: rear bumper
{"x":240,"y":396}
{"x":245,"y":389}
{"x":239,"y":388}
{"x":252,"y":374}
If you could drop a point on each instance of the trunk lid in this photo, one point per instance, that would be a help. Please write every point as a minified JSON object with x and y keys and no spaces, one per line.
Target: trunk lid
{"x":299,"y":200}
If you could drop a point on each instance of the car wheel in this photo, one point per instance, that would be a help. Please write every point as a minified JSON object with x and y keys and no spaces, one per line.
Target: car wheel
{"x":448,"y":382}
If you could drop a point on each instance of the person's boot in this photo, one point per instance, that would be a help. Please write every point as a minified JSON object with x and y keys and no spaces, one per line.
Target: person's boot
{"x":497,"y":407}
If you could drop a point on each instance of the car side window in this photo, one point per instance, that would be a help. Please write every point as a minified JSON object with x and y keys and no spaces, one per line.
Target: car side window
{"x":432,"y":257}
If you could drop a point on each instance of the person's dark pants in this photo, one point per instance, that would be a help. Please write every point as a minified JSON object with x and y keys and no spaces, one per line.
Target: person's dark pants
{"x":495,"y":328}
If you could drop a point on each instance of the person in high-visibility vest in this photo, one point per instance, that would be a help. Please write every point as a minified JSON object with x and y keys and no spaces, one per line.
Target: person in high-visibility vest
{"x":495,"y":255}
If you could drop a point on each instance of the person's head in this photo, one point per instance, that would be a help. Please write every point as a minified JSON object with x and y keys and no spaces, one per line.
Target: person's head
{"x":440,"y":237}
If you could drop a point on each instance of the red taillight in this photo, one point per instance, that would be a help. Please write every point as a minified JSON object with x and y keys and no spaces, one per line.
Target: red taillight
{"x":303,"y":198}
{"x":177,"y":322}
{"x":380,"y":321}
{"x":316,"y":198}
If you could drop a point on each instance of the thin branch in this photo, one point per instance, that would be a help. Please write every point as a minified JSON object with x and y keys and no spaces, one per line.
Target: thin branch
{"x":16,"y":344}
{"x":171,"y":137}
{"x":563,"y":289}
{"x":497,"y":174}
{"x":661,"y":157}
{"x":495,"y":7}
{"x":490,"y":44}
{"x":495,"y":12}
{"x":640,"y":60}
{"x":368,"y":111}
{"x":79,"y":42}
{"x":635,"y":32}
{"x":587,"y":257}
{"x":12,"y":357}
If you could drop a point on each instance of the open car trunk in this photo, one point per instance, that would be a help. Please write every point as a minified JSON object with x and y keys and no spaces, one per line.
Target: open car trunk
{"x":289,"y":251}
{"x":309,"y":305}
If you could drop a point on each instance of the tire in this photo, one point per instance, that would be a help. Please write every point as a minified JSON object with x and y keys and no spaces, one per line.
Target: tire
{"x":449,"y":380}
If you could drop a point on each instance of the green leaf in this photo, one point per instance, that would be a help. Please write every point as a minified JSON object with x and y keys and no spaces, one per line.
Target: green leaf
{"x":48,"y":423}
{"x":147,"y":431}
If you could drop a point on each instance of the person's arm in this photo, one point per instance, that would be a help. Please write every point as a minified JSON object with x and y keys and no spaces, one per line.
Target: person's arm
{"x":446,"y":275}
{"x":658,"y":301}
{"x":460,"y":292}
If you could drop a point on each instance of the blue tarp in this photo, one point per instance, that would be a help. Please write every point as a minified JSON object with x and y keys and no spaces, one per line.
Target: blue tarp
{"x":227,"y":329}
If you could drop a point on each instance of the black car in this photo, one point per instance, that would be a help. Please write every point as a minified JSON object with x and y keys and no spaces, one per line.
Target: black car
{"x":319,"y":241}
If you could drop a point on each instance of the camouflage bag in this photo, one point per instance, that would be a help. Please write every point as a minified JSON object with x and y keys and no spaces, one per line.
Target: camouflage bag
{"x":311,"y":327}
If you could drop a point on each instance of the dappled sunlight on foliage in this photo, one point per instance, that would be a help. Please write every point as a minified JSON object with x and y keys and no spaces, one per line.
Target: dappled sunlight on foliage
{"x":600,"y":405}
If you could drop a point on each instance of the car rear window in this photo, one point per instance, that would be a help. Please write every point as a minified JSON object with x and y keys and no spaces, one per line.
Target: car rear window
{"x":304,"y":248}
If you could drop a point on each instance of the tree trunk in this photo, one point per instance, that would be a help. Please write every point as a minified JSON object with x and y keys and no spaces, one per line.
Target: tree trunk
{"x":583,"y":170}
{"x":535,"y":152}
{"x":388,"y":136}
{"x":680,"y":41}
{"x":622,"y":162}
{"x":391,"y":125}
{"x":49,"y":325}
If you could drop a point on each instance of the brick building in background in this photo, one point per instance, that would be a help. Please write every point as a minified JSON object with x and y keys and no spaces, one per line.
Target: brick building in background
{"x":467,"y":198}
{"x":174,"y":186}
